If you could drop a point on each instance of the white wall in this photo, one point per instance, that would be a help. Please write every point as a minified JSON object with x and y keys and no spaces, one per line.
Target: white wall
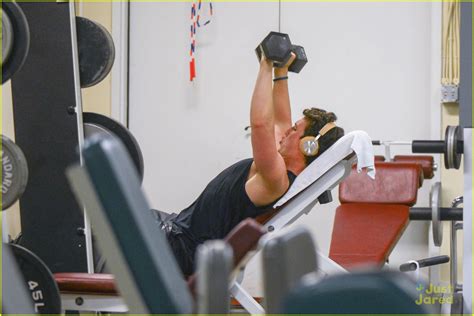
{"x":189,"y":131}
{"x":370,"y":63}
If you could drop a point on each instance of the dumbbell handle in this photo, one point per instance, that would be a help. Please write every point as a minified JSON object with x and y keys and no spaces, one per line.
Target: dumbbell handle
{"x":446,"y":214}
{"x":422,"y":263}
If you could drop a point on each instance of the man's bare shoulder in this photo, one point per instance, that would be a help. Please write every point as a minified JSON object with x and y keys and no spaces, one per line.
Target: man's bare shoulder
{"x":261,"y":190}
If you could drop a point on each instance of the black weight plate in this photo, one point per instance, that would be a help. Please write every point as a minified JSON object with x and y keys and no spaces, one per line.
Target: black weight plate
{"x":458,"y":146}
{"x":96,"y":51}
{"x":21,"y":40}
{"x":14,"y":172}
{"x":16,"y":299}
{"x":453,"y":150}
{"x":97,"y":123}
{"x":39,"y":281}
{"x":7,"y":37}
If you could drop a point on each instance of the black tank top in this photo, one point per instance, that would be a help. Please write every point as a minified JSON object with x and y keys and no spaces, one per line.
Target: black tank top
{"x":222,"y":205}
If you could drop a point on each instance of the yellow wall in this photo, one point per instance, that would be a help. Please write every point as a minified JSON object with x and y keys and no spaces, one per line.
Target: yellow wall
{"x":13,"y":213}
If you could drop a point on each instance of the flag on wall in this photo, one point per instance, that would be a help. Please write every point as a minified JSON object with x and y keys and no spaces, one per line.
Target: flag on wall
{"x":196,"y":11}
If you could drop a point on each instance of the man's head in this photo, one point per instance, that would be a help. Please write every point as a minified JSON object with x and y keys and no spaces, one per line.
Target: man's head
{"x":317,"y":119}
{"x":310,"y":125}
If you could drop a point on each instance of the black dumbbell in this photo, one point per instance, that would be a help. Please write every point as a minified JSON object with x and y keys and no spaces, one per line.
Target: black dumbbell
{"x":276,"y":47}
{"x":300,"y":60}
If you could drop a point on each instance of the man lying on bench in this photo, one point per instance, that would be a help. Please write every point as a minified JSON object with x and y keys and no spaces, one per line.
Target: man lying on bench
{"x":249,"y":188}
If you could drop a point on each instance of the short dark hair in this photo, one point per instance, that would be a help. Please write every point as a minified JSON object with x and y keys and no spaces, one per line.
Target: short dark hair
{"x":316,"y":119}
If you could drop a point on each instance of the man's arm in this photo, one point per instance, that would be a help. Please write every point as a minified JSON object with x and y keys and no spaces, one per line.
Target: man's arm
{"x":270,"y":165}
{"x":281,"y":101}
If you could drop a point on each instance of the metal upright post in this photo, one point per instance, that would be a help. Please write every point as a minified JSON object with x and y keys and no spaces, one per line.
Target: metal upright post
{"x":465,"y":119}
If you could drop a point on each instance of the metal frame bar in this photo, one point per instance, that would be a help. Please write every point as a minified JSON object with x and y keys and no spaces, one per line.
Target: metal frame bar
{"x":465,"y":85}
{"x":467,"y":223}
{"x":120,"y":71}
{"x":303,"y":203}
{"x":80,"y":126}
{"x":93,"y":303}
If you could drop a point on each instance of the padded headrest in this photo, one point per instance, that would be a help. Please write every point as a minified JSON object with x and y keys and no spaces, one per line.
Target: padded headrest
{"x":394,"y":184}
{"x":426,"y":162}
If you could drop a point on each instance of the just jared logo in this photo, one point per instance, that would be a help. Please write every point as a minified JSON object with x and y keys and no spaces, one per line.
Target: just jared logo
{"x":433,"y":294}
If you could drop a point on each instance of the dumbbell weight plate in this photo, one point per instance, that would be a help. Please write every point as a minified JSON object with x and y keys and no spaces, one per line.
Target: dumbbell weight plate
{"x":7,"y":37}
{"x":39,"y":281}
{"x":276,"y":47}
{"x":96,"y":51}
{"x":20,"y":39}
{"x":435,"y":203}
{"x":14,"y":172}
{"x":99,"y":124}
{"x":300,"y":61}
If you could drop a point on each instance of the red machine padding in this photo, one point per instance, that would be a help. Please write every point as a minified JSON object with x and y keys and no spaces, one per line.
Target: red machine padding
{"x":394,"y":184}
{"x":365,"y":234}
{"x":98,"y":284}
{"x":426,"y":162}
{"x":242,"y":239}
{"x":379,"y":158}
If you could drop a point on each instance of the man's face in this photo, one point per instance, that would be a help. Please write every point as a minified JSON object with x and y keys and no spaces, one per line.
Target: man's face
{"x":291,"y":139}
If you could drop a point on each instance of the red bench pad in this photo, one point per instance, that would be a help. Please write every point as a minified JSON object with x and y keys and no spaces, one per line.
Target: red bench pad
{"x":426,"y":162}
{"x":395,"y":183}
{"x":365,"y":234}
{"x":94,"y":284}
{"x":379,"y":158}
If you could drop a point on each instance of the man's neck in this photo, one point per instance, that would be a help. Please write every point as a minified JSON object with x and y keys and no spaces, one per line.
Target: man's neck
{"x":296,"y":164}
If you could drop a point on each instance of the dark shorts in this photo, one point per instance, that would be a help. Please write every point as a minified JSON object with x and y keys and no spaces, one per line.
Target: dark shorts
{"x":182,"y":247}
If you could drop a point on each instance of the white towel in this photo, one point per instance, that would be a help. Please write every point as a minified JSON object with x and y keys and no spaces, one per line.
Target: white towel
{"x":362,"y":146}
